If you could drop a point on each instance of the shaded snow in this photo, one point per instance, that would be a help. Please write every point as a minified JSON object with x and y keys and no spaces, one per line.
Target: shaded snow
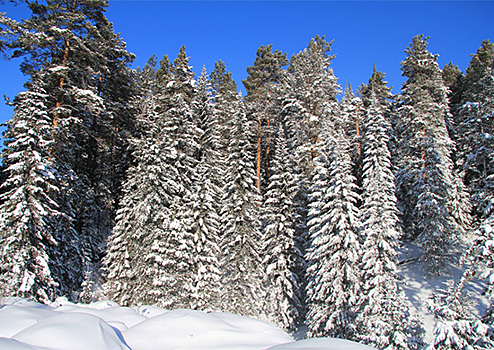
{"x":26,"y":325}
{"x":419,"y":286}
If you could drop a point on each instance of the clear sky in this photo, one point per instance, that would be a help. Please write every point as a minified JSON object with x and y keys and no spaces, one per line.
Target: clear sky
{"x":364,"y":33}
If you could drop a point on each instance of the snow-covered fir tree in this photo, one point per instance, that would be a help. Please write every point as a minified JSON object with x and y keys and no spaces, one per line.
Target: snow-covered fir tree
{"x":384,"y":319}
{"x":150,"y":256}
{"x":282,"y":256}
{"x":82,"y":63}
{"x":456,"y":326}
{"x":425,"y":179}
{"x":205,"y":201}
{"x":474,"y":129}
{"x":243,"y":274}
{"x":37,"y":243}
{"x":333,"y":254}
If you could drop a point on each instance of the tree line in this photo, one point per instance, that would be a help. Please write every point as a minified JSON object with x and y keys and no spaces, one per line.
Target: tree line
{"x":152,"y":186}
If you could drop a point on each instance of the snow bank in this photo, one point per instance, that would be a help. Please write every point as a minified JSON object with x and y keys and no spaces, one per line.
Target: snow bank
{"x":26,"y":325}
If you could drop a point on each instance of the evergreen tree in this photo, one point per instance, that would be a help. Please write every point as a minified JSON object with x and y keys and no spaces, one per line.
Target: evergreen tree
{"x":39,"y":257}
{"x":262,"y":85}
{"x":474,"y":130}
{"x":333,"y":254}
{"x":205,"y":201}
{"x":309,"y":98}
{"x":150,"y":256}
{"x":456,"y":327}
{"x":283,"y":258}
{"x":223,"y":86}
{"x":72,"y":52}
{"x":242,"y":290}
{"x":383,"y":320}
{"x":225,"y":98}
{"x":453,"y":79}
{"x":426,"y":178}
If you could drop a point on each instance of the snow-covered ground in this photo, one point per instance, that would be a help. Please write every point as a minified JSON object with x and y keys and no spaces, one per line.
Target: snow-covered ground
{"x":419,"y":286}
{"x":26,"y":325}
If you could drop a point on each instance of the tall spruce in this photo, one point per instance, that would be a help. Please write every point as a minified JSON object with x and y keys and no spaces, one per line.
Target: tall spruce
{"x":39,"y":255}
{"x":384,"y":319}
{"x":474,"y":129}
{"x":205,"y":200}
{"x":333,"y":253}
{"x":150,"y":258}
{"x":241,"y":258}
{"x":426,"y":180}
{"x":282,"y":255}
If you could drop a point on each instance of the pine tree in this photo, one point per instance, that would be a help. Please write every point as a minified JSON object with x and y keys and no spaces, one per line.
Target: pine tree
{"x":426,"y":176}
{"x":352,"y":111}
{"x":282,"y":256}
{"x":333,"y":254}
{"x":243,"y":274}
{"x":383,"y":319}
{"x":309,"y":98}
{"x":72,"y":52}
{"x":261,"y":101}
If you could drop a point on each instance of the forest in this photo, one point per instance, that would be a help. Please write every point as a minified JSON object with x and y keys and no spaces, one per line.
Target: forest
{"x":151,"y":186}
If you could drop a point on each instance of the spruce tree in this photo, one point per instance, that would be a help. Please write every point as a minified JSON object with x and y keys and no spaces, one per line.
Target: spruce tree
{"x":39,"y":256}
{"x":205,"y":201}
{"x":241,"y":260}
{"x":384,"y":320}
{"x":333,"y":254}
{"x":71,"y":51}
{"x":282,"y":256}
{"x":426,"y":178}
{"x":456,"y":326}
{"x":150,"y":257}
{"x":473,"y":126}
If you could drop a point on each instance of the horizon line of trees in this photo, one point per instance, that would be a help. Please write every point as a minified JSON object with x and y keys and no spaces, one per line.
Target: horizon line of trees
{"x":287,"y":205}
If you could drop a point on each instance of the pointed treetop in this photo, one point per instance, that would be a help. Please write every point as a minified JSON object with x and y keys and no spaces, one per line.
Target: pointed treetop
{"x":377,"y":85}
{"x":182,"y":70}
{"x":163,"y":75}
{"x":451,"y":74}
{"x":481,"y":65}
{"x":221,"y":80}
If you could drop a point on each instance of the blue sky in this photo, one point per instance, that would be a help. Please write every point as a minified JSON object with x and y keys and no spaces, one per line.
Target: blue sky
{"x":364,"y":33}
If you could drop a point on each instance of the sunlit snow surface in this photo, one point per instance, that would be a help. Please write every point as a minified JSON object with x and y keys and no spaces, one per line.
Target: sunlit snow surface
{"x":106,"y":326}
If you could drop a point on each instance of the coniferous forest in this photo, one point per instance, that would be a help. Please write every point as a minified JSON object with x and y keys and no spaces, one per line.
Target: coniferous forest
{"x":154,"y":186}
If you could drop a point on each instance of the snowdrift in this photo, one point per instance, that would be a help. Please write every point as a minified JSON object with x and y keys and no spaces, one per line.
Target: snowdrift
{"x":26,"y":325}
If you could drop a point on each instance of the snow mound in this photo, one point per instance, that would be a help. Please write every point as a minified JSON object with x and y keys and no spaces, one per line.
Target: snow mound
{"x":190,"y":329}
{"x":26,"y":325}
{"x":321,"y":344}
